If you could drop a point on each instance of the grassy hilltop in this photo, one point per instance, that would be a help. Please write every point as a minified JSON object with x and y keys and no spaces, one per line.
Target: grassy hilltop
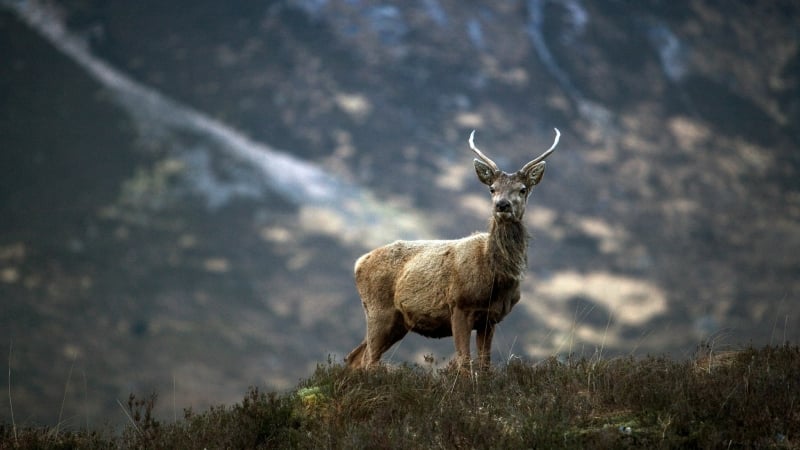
{"x":748,"y":398}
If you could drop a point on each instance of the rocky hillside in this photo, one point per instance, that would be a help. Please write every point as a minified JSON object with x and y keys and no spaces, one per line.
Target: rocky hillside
{"x":184,"y":186}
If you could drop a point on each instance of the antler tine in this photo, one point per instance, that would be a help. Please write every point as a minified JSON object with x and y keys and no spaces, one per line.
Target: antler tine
{"x":546,"y":153}
{"x":480,"y":154}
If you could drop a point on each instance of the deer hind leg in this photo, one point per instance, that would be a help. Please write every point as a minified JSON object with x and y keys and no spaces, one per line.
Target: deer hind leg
{"x":355,"y":359}
{"x":384,"y":329}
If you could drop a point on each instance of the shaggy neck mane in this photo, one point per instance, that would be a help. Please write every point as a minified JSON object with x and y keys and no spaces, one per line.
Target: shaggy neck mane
{"x":508,"y":249}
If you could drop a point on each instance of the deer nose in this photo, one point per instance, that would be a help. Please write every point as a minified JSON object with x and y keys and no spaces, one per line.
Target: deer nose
{"x":502,"y":205}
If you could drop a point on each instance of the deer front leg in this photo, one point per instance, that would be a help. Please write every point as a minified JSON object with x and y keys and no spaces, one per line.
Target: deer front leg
{"x":484,"y":343}
{"x":461,"y":324}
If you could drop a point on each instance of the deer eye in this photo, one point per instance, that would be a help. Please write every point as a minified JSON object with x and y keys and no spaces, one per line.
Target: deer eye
{"x":491,"y":189}
{"x":523,"y":190}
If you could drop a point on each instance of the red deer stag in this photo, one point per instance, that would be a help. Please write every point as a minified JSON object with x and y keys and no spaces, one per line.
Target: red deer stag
{"x":449,"y":288}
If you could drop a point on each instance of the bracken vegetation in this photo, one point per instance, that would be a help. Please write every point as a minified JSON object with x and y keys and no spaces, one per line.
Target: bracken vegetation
{"x":747,"y":398}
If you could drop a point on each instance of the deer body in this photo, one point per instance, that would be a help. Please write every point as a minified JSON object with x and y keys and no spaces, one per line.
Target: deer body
{"x":441,"y":288}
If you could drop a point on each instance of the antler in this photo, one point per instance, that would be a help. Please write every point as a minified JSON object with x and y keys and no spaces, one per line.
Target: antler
{"x":545,"y":154}
{"x":480,"y":154}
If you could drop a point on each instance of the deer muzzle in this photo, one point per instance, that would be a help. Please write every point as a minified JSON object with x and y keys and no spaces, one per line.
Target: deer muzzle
{"x":502,"y":206}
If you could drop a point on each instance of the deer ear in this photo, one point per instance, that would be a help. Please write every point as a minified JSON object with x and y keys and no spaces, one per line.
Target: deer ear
{"x":533,"y":175}
{"x":485,"y":173}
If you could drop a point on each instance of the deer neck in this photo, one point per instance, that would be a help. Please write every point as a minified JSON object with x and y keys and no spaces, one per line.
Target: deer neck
{"x":507,"y":249}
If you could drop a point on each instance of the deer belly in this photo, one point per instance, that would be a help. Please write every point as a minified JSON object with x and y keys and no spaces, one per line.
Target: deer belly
{"x":434,"y":324}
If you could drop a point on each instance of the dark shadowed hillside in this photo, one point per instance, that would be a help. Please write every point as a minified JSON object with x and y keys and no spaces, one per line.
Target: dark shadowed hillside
{"x":184,"y":186}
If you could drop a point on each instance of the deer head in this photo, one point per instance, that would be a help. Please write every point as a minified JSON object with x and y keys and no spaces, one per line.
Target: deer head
{"x":510,"y":191}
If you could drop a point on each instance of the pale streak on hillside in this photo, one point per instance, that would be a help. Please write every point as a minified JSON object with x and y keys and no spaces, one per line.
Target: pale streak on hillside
{"x":351,"y":213}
